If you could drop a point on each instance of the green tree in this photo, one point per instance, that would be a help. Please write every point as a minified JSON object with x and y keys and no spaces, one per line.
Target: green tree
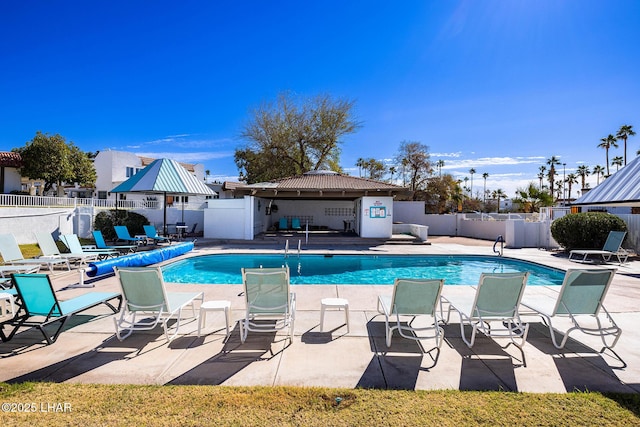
{"x":583,"y":172}
{"x":625,"y":132}
{"x":499,"y":194}
{"x":598,"y":171}
{"x":438,"y":194}
{"x":360,"y":163}
{"x":291,"y":137}
{"x":471,"y":172}
{"x":53,"y":160}
{"x":392,"y":171}
{"x":617,"y":162}
{"x":541,"y":175}
{"x":485,"y":175}
{"x":570,"y":180}
{"x":532,"y":198}
{"x":414,"y":156}
{"x":552,"y":162}
{"x":375,"y":169}
{"x":607,"y":143}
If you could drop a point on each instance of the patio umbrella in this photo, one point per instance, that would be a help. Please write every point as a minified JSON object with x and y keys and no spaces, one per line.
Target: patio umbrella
{"x":164,"y":176}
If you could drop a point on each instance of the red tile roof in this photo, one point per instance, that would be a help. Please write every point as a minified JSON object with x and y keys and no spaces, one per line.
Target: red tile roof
{"x":10,"y":159}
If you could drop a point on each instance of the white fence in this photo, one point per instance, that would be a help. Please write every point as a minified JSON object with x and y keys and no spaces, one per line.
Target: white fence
{"x":17,"y":200}
{"x":22,"y":215}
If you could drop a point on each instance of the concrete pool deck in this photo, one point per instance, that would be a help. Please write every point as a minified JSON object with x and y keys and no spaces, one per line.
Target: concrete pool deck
{"x":88,"y":351}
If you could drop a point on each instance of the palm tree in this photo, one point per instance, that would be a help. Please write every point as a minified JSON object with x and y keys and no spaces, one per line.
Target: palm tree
{"x":625,"y":132}
{"x":617,"y":162}
{"x":598,"y":171}
{"x":497,"y":194}
{"x":360,"y":163}
{"x":570,"y":180}
{"x":392,"y":171}
{"x":207,"y":173}
{"x":439,"y":165}
{"x":583,"y":172}
{"x":471,"y":172}
{"x":542,"y":169}
{"x":606,"y":143}
{"x":485,"y":176}
{"x":552,"y":162}
{"x":466,"y":179}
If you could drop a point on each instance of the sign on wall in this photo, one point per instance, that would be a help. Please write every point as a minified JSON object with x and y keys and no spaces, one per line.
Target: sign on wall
{"x":377,"y":212}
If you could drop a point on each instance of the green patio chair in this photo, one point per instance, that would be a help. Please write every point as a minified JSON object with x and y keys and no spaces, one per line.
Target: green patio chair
{"x":581,"y":296}
{"x":40,"y":308}
{"x":612,"y":248}
{"x":146,"y":298}
{"x":270,"y":305}
{"x":494,"y":301}
{"x":412,"y":298}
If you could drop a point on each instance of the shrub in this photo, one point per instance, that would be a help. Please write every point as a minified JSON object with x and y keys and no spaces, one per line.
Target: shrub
{"x":587,"y":230}
{"x":105,"y":221}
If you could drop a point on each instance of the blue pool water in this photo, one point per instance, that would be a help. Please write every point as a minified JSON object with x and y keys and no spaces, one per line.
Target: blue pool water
{"x":356,"y":269}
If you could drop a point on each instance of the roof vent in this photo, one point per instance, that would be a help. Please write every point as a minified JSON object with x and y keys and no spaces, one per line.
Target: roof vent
{"x":321,"y":172}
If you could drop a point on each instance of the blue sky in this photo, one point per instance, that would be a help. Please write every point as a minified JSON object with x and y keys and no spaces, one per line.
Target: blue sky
{"x":495,"y":85}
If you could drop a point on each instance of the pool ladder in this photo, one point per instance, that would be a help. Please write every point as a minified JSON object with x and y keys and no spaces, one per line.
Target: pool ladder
{"x":286,"y":248}
{"x":500,"y":240}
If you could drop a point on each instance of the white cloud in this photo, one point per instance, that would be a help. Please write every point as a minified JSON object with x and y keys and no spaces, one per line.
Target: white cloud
{"x":188,"y":157}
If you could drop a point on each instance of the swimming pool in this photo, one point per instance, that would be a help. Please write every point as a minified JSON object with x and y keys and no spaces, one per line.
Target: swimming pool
{"x":356,"y":269}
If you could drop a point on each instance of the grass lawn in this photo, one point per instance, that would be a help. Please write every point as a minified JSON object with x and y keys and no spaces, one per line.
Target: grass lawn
{"x":85,"y":404}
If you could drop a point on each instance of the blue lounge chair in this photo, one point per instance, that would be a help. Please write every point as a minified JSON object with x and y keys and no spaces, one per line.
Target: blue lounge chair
{"x":122,"y":232}
{"x":295,"y":224}
{"x":283,"y":224}
{"x":101,"y":244}
{"x":40,"y":308}
{"x":152,"y":233}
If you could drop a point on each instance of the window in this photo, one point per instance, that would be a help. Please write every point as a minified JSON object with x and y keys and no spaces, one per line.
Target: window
{"x":102,"y":195}
{"x":130,"y":172}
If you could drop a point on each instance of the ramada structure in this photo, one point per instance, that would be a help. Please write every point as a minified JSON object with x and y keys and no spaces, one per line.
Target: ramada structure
{"x":316,"y":200}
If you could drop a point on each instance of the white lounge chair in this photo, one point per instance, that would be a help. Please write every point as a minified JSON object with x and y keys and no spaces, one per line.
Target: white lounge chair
{"x":11,"y":254}
{"x":146,"y":297}
{"x":412,"y":298}
{"x":612,"y":248}
{"x":270,"y":305}
{"x":581,"y":297}
{"x":50,"y":250}
{"x":73,"y":243}
{"x":495,"y":301}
